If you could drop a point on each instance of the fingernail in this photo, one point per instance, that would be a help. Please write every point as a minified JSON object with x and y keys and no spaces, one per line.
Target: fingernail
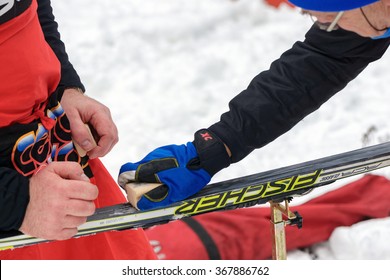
{"x":87,"y":145}
{"x":85,"y":177}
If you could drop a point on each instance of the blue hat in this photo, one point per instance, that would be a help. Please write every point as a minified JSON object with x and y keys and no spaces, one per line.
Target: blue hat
{"x":331,"y":5}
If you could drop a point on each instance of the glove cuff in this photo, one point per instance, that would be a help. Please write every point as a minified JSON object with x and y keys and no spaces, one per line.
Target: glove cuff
{"x":212,"y":153}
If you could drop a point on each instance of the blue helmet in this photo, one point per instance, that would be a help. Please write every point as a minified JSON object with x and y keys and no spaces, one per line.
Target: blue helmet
{"x":331,"y":5}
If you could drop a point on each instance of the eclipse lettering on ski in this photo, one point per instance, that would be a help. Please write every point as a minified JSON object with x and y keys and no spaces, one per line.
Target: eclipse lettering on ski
{"x":248,"y":194}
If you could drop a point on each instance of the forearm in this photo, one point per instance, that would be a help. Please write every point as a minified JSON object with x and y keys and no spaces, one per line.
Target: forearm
{"x":14,"y":197}
{"x":297,"y":84}
{"x":69,"y":76}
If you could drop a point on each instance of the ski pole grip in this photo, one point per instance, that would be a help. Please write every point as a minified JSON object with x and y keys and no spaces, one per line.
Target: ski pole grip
{"x":136,"y":190}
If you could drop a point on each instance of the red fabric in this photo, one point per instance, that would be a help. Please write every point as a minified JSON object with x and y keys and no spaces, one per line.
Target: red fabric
{"x":29,"y":70}
{"x":130,"y":244}
{"x":245,"y":233}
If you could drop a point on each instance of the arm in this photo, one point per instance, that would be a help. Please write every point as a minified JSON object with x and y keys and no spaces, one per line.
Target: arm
{"x":298,"y":83}
{"x":80,"y":109}
{"x":69,"y":76}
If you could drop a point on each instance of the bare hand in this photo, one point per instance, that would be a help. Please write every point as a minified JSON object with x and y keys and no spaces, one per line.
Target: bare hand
{"x":81,"y":109}
{"x":61,"y":199}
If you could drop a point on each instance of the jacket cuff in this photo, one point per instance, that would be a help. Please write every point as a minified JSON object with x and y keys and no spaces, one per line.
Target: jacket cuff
{"x":213,"y":156}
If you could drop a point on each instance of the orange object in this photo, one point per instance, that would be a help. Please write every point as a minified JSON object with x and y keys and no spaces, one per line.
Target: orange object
{"x":277,"y":3}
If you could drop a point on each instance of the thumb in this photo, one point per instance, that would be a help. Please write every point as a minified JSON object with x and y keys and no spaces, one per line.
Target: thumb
{"x":82,"y":138}
{"x":69,"y":170}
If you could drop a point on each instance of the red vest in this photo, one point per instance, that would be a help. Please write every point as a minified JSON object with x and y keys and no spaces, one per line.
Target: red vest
{"x":29,"y":71}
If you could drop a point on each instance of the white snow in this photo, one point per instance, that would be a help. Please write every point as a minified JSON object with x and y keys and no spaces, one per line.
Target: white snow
{"x":167,"y":68}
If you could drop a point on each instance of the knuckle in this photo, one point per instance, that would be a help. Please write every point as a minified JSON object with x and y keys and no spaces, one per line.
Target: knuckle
{"x":86,"y":209}
{"x":52,"y":233}
{"x":93,"y":192}
{"x":75,"y":166}
{"x":77,"y":221}
{"x":69,"y":233}
{"x":106,"y":109}
{"x":90,"y":209}
{"x":115,"y":138}
{"x":82,"y":220}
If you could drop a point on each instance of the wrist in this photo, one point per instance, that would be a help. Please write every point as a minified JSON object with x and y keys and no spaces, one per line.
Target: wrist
{"x":69,"y":90}
{"x":213,"y":154}
{"x":74,"y":89}
{"x":227,"y":150}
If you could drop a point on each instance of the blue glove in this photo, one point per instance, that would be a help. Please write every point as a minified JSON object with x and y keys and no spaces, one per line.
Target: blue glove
{"x":182,"y":169}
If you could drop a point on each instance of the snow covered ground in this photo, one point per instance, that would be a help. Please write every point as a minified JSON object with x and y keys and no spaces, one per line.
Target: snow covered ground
{"x":167,"y":68}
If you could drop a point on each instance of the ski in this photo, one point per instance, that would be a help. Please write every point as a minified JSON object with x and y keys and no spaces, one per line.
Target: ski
{"x":273,"y":185}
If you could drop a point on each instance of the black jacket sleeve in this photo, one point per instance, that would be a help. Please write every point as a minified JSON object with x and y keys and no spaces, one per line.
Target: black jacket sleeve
{"x":14,"y":197}
{"x":296,"y":84}
{"x":69,"y":76}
